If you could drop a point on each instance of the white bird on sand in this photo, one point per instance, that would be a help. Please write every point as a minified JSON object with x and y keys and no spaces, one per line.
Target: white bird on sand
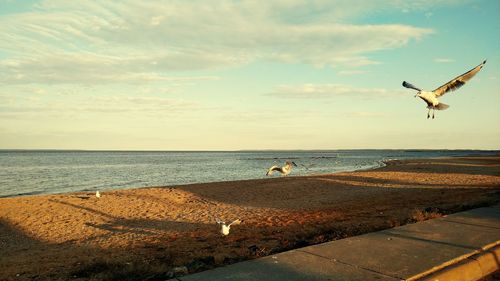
{"x":225,"y":228}
{"x":285,"y":170}
{"x":97,"y":194}
{"x":431,"y":97}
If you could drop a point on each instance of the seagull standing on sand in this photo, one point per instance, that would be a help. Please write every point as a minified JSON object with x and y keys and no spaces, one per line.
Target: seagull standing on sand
{"x":431,"y":97}
{"x":285,"y":170}
{"x":225,"y":228}
{"x":98,"y":194}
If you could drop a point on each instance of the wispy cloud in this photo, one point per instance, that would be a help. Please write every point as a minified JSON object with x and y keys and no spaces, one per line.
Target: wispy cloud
{"x":313,"y":91}
{"x":365,"y":114}
{"x":79,"y":68}
{"x":422,"y":5}
{"x":142,"y":105}
{"x":131,"y":41}
{"x":443,"y":60}
{"x":352,"y":72}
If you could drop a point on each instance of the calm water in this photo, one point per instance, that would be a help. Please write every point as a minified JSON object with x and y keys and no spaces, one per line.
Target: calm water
{"x":44,"y":172}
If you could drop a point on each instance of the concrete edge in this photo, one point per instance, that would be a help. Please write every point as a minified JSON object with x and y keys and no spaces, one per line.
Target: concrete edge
{"x":474,"y":267}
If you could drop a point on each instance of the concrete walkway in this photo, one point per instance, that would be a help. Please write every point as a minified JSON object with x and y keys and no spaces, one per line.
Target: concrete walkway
{"x":462,"y":246}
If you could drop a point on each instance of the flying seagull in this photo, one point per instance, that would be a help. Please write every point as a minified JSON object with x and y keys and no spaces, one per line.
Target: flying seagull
{"x":308,"y":166}
{"x":285,"y":170}
{"x":431,"y":97}
{"x":225,"y":228}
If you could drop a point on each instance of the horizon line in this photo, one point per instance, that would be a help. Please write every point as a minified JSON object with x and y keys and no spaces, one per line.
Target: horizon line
{"x":235,"y":150}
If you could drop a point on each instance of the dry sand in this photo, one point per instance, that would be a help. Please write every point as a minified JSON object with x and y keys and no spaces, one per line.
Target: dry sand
{"x":143,"y":233}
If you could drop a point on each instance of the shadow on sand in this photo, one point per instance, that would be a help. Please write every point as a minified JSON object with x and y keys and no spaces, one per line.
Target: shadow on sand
{"x":122,"y":248}
{"x":487,"y":166}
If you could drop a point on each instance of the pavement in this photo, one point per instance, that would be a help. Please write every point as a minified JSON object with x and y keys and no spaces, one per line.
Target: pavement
{"x":461,"y":246}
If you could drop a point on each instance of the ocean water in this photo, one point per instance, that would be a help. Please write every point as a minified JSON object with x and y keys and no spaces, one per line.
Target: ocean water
{"x":47,"y":172}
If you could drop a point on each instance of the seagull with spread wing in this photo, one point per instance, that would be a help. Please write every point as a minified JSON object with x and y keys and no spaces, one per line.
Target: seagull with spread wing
{"x":285,"y":170}
{"x":226,"y":227}
{"x":431,"y":97}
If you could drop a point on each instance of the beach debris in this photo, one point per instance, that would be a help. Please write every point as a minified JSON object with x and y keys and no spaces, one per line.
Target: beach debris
{"x":258,"y":251}
{"x":285,"y":170}
{"x":431,"y":97}
{"x":98,"y":194}
{"x":231,"y":260}
{"x":253,"y":249}
{"x":225,"y":228}
{"x":200,"y":264}
{"x":180,"y":270}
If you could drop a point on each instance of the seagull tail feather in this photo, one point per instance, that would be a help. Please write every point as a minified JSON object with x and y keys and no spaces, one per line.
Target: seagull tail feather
{"x":441,"y":106}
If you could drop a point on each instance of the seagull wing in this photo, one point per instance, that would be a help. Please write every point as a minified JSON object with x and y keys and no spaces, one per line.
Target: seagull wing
{"x":238,"y":221}
{"x":272,"y":169}
{"x":275,"y":168}
{"x":458,"y":81}
{"x":410,"y":86}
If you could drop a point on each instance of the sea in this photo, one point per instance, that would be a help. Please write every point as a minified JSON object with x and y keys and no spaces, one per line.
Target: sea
{"x":30,"y":172}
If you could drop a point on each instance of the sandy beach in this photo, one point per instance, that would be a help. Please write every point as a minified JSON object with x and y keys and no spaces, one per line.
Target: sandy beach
{"x":142,"y":234}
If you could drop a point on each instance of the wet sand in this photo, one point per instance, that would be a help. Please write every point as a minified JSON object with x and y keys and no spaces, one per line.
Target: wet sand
{"x":144,"y":233}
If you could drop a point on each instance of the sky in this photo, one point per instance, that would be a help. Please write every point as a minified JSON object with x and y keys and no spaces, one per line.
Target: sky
{"x":233,"y":75}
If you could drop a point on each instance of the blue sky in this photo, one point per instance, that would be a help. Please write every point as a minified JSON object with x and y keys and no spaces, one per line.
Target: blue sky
{"x":229,"y":75}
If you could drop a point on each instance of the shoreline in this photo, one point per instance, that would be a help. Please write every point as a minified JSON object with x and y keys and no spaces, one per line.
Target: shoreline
{"x":151,"y":230}
{"x":380,"y":164}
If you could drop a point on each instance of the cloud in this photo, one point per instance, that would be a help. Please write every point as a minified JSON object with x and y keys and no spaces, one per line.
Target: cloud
{"x":365,"y":114}
{"x":351,"y":72}
{"x":90,"y":69}
{"x":143,"y":105}
{"x":314,"y":91}
{"x":134,"y":41}
{"x":422,"y":5}
{"x":443,"y":60}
